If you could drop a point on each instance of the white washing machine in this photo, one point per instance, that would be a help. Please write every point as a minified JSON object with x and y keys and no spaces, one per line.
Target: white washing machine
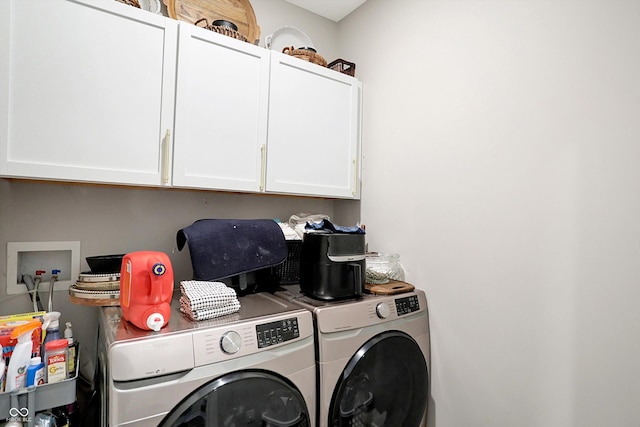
{"x":254,"y":367}
{"x":373,"y":359}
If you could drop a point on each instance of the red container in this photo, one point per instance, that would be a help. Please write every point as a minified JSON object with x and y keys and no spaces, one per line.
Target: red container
{"x":146,"y":289}
{"x":56,"y":360}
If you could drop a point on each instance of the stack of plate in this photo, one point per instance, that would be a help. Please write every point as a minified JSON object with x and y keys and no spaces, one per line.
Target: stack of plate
{"x":96,"y":289}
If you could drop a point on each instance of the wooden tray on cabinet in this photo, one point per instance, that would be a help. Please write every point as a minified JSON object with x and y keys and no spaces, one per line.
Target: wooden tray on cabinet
{"x":240,"y":12}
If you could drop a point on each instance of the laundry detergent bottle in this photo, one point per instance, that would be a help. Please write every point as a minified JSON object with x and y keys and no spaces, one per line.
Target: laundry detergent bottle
{"x":21,"y":356}
{"x":146,"y":289}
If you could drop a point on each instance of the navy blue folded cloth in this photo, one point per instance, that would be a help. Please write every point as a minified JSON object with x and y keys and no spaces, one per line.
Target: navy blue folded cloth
{"x":221,"y":248}
{"x":326,"y":225}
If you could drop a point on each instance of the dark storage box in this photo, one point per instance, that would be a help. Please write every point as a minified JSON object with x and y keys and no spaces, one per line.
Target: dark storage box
{"x":288,"y":273}
{"x":285,"y":273}
{"x":344,"y":67}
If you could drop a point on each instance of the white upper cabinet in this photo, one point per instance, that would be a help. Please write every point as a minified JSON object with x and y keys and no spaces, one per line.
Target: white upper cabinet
{"x":221,"y":111}
{"x":99,"y":91}
{"x":85,"y":91}
{"x":313,"y":139}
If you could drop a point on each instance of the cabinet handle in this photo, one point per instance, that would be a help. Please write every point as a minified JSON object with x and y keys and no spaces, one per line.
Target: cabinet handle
{"x":165,"y":157}
{"x":354,"y":188}
{"x":263,"y":166}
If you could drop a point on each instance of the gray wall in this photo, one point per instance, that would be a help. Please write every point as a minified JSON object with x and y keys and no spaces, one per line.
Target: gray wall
{"x":110,"y":220}
{"x":502,"y":161}
{"x":274,"y":14}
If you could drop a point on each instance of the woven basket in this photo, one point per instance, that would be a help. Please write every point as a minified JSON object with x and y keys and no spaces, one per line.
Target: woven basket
{"x":220,"y":29}
{"x":287,"y":272}
{"x":133,"y":3}
{"x":306,"y":54}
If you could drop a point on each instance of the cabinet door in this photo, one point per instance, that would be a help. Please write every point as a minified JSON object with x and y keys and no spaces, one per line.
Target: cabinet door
{"x":221,"y":111}
{"x":86,"y":90}
{"x":313,"y":137}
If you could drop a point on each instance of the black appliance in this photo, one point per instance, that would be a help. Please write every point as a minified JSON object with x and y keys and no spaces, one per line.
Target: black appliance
{"x":332,"y":265}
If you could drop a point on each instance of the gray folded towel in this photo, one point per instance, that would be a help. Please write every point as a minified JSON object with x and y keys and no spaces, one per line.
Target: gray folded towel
{"x":199,"y":294}
{"x":202,"y":300}
{"x":209,"y":313}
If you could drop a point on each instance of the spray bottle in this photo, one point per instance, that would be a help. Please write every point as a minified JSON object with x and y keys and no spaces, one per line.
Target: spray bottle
{"x":2,"y":369}
{"x":21,"y":356}
{"x":51,"y":326}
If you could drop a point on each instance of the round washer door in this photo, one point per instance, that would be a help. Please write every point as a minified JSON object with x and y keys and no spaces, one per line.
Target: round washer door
{"x":245,"y":398}
{"x":385,"y":383}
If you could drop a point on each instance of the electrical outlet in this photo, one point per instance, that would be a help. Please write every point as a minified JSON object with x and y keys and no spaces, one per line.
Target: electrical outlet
{"x":28,"y":257}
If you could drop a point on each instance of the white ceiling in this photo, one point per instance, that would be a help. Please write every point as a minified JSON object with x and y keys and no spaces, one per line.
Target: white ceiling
{"x":332,"y":9}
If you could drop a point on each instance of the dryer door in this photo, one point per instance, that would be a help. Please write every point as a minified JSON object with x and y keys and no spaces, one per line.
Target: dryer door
{"x":385,"y":383}
{"x":244,"y":398}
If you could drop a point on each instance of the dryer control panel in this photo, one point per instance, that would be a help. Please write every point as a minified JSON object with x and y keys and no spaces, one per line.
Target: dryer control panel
{"x":407,"y":305}
{"x":369,"y":310}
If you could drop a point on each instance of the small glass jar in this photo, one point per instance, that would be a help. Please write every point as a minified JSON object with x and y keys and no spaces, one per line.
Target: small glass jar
{"x":383,"y":267}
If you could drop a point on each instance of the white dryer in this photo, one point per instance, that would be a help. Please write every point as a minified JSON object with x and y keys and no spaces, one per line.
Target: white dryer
{"x":373,"y":359}
{"x":254,"y":367}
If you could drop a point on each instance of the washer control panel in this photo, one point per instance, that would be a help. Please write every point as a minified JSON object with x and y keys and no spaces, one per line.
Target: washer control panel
{"x":241,"y":338}
{"x":277,"y":332}
{"x":407,"y":305}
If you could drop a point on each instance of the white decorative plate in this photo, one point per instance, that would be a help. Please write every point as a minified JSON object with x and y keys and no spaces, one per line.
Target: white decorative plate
{"x":150,"y":5}
{"x":287,"y":37}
